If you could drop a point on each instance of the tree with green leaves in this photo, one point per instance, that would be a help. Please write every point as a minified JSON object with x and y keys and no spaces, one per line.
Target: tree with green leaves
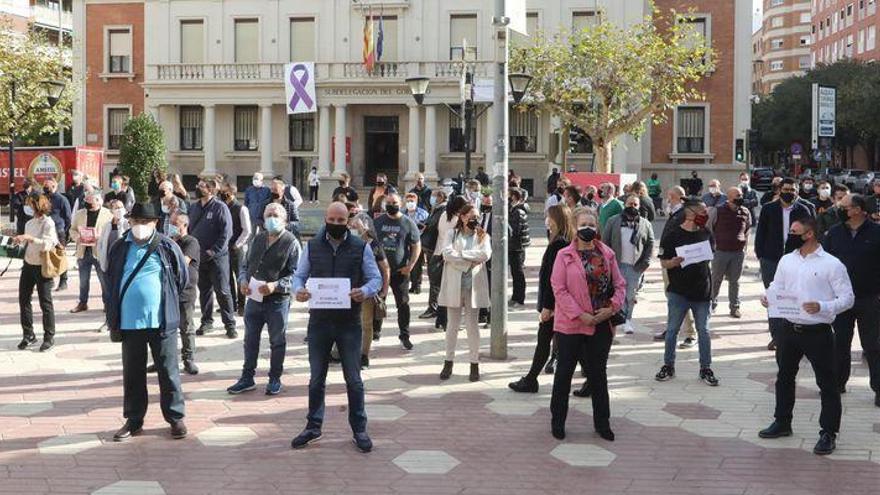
{"x":141,"y":152}
{"x":609,"y":81}
{"x":27,"y":61}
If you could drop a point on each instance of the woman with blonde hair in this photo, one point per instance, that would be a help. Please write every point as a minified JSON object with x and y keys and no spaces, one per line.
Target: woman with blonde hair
{"x":465,"y":286}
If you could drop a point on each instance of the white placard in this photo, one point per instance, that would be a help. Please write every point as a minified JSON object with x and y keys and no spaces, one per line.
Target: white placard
{"x":299,"y":86}
{"x":784,"y":306}
{"x":254,"y":285}
{"x":695,"y":253}
{"x":329,"y":293}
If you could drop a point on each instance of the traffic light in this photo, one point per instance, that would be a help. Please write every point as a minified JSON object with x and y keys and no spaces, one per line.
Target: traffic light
{"x":740,"y":150}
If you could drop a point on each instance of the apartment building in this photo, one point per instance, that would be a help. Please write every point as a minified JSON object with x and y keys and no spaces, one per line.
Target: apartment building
{"x":782,"y":45}
{"x":844,"y":29}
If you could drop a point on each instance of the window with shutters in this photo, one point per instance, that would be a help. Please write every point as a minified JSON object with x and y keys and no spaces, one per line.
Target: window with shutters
{"x":192,"y":42}
{"x":245,"y":121}
{"x":691,"y":128}
{"x":584,"y":19}
{"x":463,"y":36}
{"x":301,"y":129}
{"x":247,"y":41}
{"x":119,"y":51}
{"x":523,"y":131}
{"x":456,"y":133}
{"x":116,"y":119}
{"x":302,"y":39}
{"x":190,"y":128}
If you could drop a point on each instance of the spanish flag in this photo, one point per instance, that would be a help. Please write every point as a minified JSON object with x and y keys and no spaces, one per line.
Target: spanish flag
{"x":369,"y":45}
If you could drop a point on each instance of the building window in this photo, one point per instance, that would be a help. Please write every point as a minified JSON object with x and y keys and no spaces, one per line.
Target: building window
{"x":871,"y":42}
{"x":192,"y":42}
{"x":523,"y":131}
{"x":776,"y":65}
{"x":462,"y":32}
{"x":804,"y":62}
{"x":691,"y":129}
{"x":701,"y":26}
{"x":776,"y":44}
{"x":389,"y":38}
{"x":860,"y":47}
{"x":777,"y":22}
{"x":456,"y":135}
{"x":302,"y":39}
{"x":806,"y":18}
{"x":532,"y":26}
{"x":190,"y":128}
{"x":245,"y":123}
{"x":805,"y":40}
{"x":302,"y":132}
{"x":116,"y":119}
{"x":583,"y":20}
{"x":247,"y":41}
{"x":119,"y":51}
{"x":776,"y":3}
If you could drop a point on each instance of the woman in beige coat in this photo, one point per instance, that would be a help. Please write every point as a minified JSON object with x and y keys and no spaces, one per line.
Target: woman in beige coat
{"x":465,"y":286}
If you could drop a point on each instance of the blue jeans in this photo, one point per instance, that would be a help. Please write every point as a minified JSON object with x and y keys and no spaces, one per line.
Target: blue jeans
{"x":633,"y":279}
{"x":346,"y":334}
{"x":677,"y":306}
{"x":84,"y":266}
{"x":272,"y":314}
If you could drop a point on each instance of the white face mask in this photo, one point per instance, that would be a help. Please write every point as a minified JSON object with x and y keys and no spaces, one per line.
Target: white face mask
{"x":411,"y":205}
{"x":28,"y":211}
{"x":119,"y":213}
{"x":165,"y":209}
{"x":142,"y":232}
{"x":808,"y":187}
{"x":824,"y":192}
{"x":713,"y":190}
{"x":744,"y":183}
{"x":258,"y":182}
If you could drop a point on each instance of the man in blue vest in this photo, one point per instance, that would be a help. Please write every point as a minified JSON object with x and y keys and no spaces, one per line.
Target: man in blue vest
{"x":335,"y":253}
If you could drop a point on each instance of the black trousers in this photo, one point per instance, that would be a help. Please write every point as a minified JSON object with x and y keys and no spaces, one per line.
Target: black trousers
{"x":163,"y":347}
{"x":400,"y":289}
{"x":234,"y":262}
{"x":542,"y":349}
{"x":435,"y":275}
{"x":571,"y":348}
{"x":415,"y":276}
{"x":214,"y":279}
{"x":32,"y":276}
{"x":516,"y":261}
{"x":818,"y":346}
{"x":313,"y":193}
{"x":867,"y":313}
{"x":187,"y":328}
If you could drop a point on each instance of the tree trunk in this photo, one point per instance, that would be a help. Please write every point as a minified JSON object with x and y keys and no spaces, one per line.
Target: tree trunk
{"x":603,"y":152}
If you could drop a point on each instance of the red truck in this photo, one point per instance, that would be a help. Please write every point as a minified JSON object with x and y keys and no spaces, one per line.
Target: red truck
{"x":51,"y":162}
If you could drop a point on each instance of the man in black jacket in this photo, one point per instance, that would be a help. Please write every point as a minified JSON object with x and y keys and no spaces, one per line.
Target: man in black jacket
{"x":62,"y":217}
{"x":516,"y":248}
{"x":749,"y":196}
{"x":423,"y":192}
{"x":771,"y":236}
{"x":429,"y":243}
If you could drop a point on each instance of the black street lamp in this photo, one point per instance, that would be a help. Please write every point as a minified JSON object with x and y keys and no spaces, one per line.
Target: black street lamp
{"x":519,"y":84}
{"x":52,"y":92}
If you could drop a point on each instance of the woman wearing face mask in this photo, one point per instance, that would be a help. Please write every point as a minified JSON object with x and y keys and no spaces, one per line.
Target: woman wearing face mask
{"x":589,"y":290}
{"x":559,"y":224}
{"x":39,"y":237}
{"x":465,"y":287}
{"x":445,"y":226}
{"x":823,"y":199}
{"x":314,"y":184}
{"x":382,"y":189}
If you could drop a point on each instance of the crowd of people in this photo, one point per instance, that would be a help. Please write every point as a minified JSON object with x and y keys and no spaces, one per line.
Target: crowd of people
{"x":154,"y":259}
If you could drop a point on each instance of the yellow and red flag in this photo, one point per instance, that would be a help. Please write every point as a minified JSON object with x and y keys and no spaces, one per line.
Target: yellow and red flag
{"x":369,"y":44}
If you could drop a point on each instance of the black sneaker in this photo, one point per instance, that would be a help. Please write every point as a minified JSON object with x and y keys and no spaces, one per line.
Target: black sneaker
{"x":776,"y":430}
{"x":47,"y":344}
{"x":205,"y":328}
{"x":428,"y":314}
{"x":189,"y":367}
{"x":666,"y":373}
{"x":362,"y":442}
{"x":584,"y":391}
{"x":231,"y":333}
{"x":524,"y":386}
{"x":551,"y":366}
{"x":826,"y":444}
{"x":365,"y":362}
{"x":687,"y":343}
{"x":26,"y":342}
{"x":708,"y":377}
{"x":376,"y":336}
{"x":308,"y":436}
{"x":405,"y":342}
{"x":62,"y":286}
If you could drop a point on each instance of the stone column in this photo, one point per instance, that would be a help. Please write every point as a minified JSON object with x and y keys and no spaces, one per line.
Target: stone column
{"x":154,"y":111}
{"x":413,"y":148}
{"x":209,"y":140}
{"x":339,"y":145}
{"x":266,"y":140}
{"x":324,"y":141}
{"x":431,"y":143}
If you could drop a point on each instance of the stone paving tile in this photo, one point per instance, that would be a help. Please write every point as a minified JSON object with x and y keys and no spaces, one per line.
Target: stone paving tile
{"x":132,"y":488}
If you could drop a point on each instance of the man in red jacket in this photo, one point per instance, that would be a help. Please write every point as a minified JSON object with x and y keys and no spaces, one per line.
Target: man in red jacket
{"x":731,"y":223}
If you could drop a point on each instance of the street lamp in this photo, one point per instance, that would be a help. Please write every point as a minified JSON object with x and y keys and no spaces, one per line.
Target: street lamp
{"x":519,"y":84}
{"x":418,"y":86}
{"x":52,"y":91}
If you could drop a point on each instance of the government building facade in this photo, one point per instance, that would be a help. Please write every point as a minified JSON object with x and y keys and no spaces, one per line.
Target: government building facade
{"x":211,"y":72}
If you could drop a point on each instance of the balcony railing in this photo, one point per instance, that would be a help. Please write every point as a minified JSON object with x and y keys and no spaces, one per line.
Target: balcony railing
{"x":326,"y":72}
{"x":48,"y":16}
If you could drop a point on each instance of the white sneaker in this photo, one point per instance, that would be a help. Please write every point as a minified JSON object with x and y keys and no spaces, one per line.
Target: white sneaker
{"x":628,"y":328}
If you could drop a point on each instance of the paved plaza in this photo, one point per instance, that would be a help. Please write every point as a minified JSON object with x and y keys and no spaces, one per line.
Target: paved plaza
{"x":58,"y":412}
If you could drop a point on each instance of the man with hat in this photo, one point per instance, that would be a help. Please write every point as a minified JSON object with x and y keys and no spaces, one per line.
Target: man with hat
{"x":146,"y":273}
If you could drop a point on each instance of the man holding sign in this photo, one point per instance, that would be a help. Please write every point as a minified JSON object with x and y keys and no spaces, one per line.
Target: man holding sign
{"x":819,"y":284}
{"x":86,"y":228}
{"x":336,"y":273}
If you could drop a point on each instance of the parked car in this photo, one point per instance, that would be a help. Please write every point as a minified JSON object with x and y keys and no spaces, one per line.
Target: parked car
{"x":832,"y":175}
{"x":859,"y":181}
{"x":762,"y":178}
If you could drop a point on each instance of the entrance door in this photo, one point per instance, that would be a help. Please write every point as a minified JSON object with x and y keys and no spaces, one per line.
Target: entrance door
{"x":300,"y":168}
{"x":382,"y":149}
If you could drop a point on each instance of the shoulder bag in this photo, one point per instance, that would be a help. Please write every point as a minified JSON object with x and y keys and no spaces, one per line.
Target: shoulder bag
{"x":53,"y":262}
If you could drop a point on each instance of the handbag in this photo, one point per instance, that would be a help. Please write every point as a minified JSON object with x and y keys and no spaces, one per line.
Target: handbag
{"x":53,"y":262}
{"x":116,"y":333}
{"x":381,"y":310}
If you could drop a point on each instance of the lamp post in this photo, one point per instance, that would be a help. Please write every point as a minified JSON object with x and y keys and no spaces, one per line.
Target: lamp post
{"x":53,"y":91}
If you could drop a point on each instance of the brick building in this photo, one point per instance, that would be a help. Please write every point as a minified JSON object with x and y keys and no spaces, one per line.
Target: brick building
{"x":783,"y":43}
{"x":844,"y":29}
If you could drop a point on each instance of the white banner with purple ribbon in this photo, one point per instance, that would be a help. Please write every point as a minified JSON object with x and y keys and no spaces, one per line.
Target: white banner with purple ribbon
{"x":299,"y":83}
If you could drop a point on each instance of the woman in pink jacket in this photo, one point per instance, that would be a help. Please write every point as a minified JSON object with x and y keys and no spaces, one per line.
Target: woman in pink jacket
{"x":589,"y":290}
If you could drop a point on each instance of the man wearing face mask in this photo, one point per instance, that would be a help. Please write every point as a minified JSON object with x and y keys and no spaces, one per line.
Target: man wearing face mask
{"x":211,"y":224}
{"x":382,"y":188}
{"x":166,"y":195}
{"x":856,"y":243}
{"x":189,"y":245}
{"x":419,"y":216}
{"x":556,"y":197}
{"x":119,"y":190}
{"x":609,"y":204}
{"x":278,"y":197}
{"x":256,"y":197}
{"x":519,"y":240}
{"x":808,"y":189}
{"x":75,"y":193}
{"x":238,"y":243}
{"x":23,"y":213}
{"x":832,"y":215}
{"x":429,"y":238}
{"x":345,"y":188}
{"x":749,"y":196}
{"x":61,"y":216}
{"x":146,"y":274}
{"x":730,"y":224}
{"x":422,"y":192}
{"x":675,"y":199}
{"x":823,"y":200}
{"x":714,"y":198}
{"x":690,"y":288}
{"x":87,"y":227}
{"x":401,"y":241}
{"x":771,"y":236}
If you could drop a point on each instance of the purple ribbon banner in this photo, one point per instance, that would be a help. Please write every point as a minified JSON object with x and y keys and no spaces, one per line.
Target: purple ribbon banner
{"x":299,"y":78}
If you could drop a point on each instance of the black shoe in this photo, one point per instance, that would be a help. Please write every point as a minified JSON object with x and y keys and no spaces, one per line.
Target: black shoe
{"x":178,"y":430}
{"x":47,"y":344}
{"x":128,"y":430}
{"x":524,"y":386}
{"x":26,"y":342}
{"x":151,"y":368}
{"x":475,"y":372}
{"x":660,"y":336}
{"x":584,"y":391}
{"x":558,"y":432}
{"x":189,"y":367}
{"x":776,"y":430}
{"x":415,"y":291}
{"x":666,"y":373}
{"x":362,"y":442}
{"x":241,"y":311}
{"x":826,"y":444}
{"x":308,"y":436}
{"x":841,"y":389}
{"x":708,"y":377}
{"x":687,"y":343}
{"x":428,"y":314}
{"x":877,"y":399}
{"x":365,"y":362}
{"x":231,"y":333}
{"x":376,"y":336}
{"x":405,"y":342}
{"x":62,"y":286}
{"x":551,"y":366}
{"x":446,"y":373}
{"x":606,"y":433}
{"x":771,"y":346}
{"x":205,"y":329}
{"x":334,"y":359}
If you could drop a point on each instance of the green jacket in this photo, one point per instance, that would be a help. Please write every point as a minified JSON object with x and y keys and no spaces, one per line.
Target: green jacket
{"x":608,"y":210}
{"x":654,"y":188}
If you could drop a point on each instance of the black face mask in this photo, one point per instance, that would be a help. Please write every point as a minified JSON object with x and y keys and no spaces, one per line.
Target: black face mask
{"x":341,"y":184}
{"x":587,"y":234}
{"x":47,"y":190}
{"x":631,"y":212}
{"x":473,"y":223}
{"x":380,"y":184}
{"x":738,"y":202}
{"x":787,"y":197}
{"x":486,"y":208}
{"x":276,"y":196}
{"x":590,"y":196}
{"x":795,"y":241}
{"x":335,"y":230}
{"x":392,"y":209}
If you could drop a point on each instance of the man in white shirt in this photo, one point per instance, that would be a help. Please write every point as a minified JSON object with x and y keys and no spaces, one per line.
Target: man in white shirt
{"x":823,"y":289}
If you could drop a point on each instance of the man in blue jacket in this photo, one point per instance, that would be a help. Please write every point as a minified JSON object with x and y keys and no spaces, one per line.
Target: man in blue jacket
{"x":211,"y":224}
{"x":256,"y":197}
{"x":62,"y":217}
{"x":146,"y":273}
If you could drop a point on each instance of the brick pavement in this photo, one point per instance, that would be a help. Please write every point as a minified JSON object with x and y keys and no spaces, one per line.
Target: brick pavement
{"x":58,"y":411}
